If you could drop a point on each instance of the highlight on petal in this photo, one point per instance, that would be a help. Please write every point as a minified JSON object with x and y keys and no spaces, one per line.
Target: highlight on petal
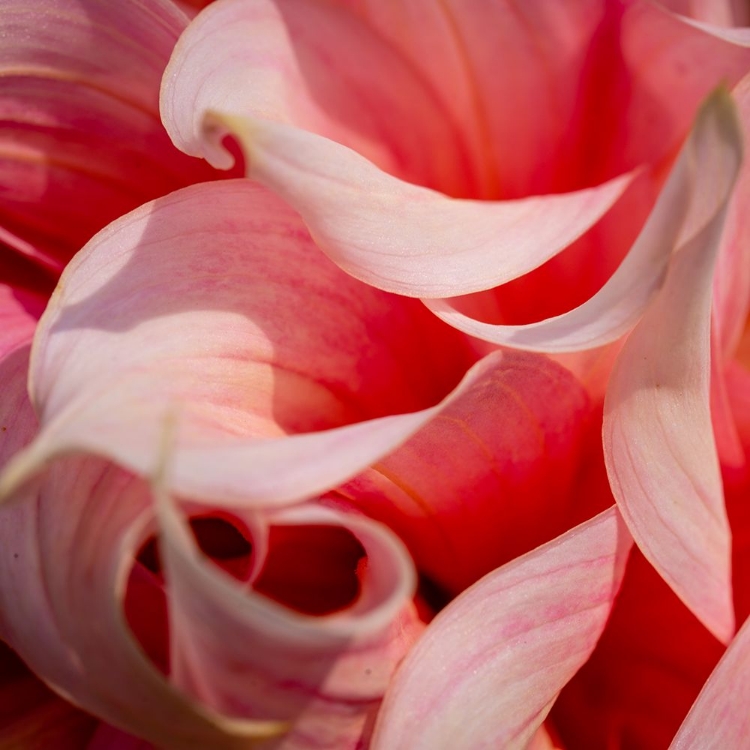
{"x":82,"y":142}
{"x":214,"y":305}
{"x":719,"y":717}
{"x":658,"y":439}
{"x":708,"y":162}
{"x":490,"y":665}
{"x":393,"y":234}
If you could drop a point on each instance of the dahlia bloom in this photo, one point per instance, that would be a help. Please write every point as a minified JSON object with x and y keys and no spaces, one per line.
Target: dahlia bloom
{"x":271,"y":426}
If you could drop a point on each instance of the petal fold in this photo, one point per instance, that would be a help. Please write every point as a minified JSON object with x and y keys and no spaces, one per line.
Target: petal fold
{"x":658,"y":439}
{"x":389,"y":232}
{"x":697,"y":188}
{"x":213,"y":305}
{"x":490,"y":665}
{"x":490,"y":477}
{"x":242,"y":654}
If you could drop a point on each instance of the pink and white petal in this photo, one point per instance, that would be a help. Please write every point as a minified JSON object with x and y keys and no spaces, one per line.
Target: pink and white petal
{"x":320,"y":69}
{"x":697,"y":188}
{"x":243,"y":654}
{"x":214,"y":305}
{"x":67,"y":546}
{"x":490,"y":665}
{"x":42,"y":557}
{"x":719,"y":717}
{"x":658,"y":438}
{"x":82,"y":79}
{"x":391,"y":233}
{"x":488,"y":478}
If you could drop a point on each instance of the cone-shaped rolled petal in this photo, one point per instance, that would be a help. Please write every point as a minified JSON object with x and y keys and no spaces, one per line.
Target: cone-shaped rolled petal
{"x":719,"y":718}
{"x":243,"y":654}
{"x":490,"y":665}
{"x":658,"y":438}
{"x":489,"y":478}
{"x":65,"y":548}
{"x":697,"y":189}
{"x":214,"y":305}
{"x":391,"y":233}
{"x":79,"y":107}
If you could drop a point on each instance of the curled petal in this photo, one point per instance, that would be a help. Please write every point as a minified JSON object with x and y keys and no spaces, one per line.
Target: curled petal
{"x":214,"y":305}
{"x":383,"y":230}
{"x":67,"y":545}
{"x":709,"y":158}
{"x":594,"y":88}
{"x":719,"y":717}
{"x":487,"y":479}
{"x":243,"y":654}
{"x":490,"y":665}
{"x":658,"y":439}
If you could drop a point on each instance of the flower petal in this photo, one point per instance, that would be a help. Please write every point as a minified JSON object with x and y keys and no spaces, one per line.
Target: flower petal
{"x":242,"y":654}
{"x":82,"y":79}
{"x":658,"y":439}
{"x":646,"y":671}
{"x":214,"y":305}
{"x":719,"y":717}
{"x":490,"y":665}
{"x":489,"y":478}
{"x":395,"y":235}
{"x":67,"y":544}
{"x":709,"y":157}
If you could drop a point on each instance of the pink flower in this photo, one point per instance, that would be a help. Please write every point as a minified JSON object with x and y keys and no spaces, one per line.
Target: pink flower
{"x":246,"y":457}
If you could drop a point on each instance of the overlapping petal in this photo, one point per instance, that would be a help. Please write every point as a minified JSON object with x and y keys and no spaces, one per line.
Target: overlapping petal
{"x":698,"y":187}
{"x":81,"y":141}
{"x":379,"y":228}
{"x":383,"y":230}
{"x":68,"y":546}
{"x":242,"y":654}
{"x":490,"y":477}
{"x":214,"y":304}
{"x":489,"y":667}
{"x":658,"y":439}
